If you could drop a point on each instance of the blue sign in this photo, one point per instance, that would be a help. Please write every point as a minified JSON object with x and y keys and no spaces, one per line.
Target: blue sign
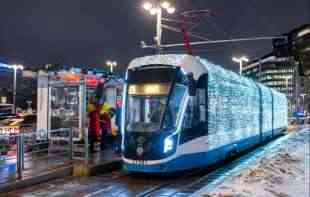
{"x":298,"y":114}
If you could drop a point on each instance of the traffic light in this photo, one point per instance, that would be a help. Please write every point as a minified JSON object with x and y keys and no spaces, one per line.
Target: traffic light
{"x":282,"y":47}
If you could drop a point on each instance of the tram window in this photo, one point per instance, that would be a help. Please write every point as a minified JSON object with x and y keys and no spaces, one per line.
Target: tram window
{"x":144,"y":114}
{"x":195,"y":117}
{"x":201,"y":94}
{"x":173,"y":111}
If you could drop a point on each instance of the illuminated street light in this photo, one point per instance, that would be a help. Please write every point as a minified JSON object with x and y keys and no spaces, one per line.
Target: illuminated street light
{"x":165,"y":5}
{"x":157,"y":9}
{"x":171,"y":10}
{"x":153,"y":11}
{"x":303,"y":100}
{"x":240,"y":60}
{"x":147,"y":6}
{"x":111,"y":64}
{"x":287,"y":78}
{"x":15,"y":68}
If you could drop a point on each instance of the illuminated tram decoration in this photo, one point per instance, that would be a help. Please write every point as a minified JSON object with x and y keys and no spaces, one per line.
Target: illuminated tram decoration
{"x":168,"y":128}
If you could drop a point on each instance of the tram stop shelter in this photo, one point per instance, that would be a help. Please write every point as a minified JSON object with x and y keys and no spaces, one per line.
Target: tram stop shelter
{"x":62,"y":103}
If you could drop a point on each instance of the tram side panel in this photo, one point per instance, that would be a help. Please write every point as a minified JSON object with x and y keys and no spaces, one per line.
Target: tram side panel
{"x":233,"y":112}
{"x":232,"y":121}
{"x":267,"y":113}
{"x":280,"y":107}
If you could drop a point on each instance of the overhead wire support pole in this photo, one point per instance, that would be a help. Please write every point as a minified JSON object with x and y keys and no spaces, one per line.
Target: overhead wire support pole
{"x":176,"y":21}
{"x":216,"y":41}
{"x":159,"y":27}
{"x":180,"y":31}
{"x":222,"y":41}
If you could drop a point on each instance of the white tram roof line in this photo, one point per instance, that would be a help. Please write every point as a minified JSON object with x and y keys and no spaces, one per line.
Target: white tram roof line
{"x":193,"y":64}
{"x":188,"y":63}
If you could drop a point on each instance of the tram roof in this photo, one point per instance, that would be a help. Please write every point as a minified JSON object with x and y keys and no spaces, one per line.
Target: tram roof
{"x":195,"y":65}
{"x":188,"y":63}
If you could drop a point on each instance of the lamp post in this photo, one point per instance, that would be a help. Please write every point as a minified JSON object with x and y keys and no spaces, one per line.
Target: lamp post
{"x":303,"y":100}
{"x":304,"y":108}
{"x":157,"y":9}
{"x":287,"y":78}
{"x":240,"y":60}
{"x":111,"y":64}
{"x":15,"y":68}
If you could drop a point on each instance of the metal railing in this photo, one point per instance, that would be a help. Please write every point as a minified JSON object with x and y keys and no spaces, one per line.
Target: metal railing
{"x":29,"y":153}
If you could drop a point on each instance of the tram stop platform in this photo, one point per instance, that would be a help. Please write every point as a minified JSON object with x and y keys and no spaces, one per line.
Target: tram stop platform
{"x":47,"y":169}
{"x":99,"y":162}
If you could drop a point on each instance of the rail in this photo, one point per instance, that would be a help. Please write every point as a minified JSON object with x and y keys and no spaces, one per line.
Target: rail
{"x":28,"y":153}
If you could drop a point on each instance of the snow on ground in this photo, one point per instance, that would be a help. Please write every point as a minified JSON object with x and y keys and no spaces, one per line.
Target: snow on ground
{"x":284,"y":174}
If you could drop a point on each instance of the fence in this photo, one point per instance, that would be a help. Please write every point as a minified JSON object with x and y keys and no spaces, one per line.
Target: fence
{"x":26,"y":153}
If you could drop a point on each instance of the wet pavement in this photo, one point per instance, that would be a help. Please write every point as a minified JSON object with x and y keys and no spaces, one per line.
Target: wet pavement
{"x":119,"y":184}
{"x":116,"y":183}
{"x":32,"y":167}
{"x":7,"y":168}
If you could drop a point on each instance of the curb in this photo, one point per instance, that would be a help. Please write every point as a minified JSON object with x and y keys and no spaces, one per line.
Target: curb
{"x":83,"y":169}
{"x":105,"y":167}
{"x":44,"y":177}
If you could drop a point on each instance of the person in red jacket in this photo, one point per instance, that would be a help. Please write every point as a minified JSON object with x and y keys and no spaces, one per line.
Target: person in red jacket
{"x":105,"y":125}
{"x":94,"y":129}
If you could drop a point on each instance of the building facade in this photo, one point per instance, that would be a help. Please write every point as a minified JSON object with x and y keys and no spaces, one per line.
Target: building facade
{"x":289,"y":75}
{"x":277,"y":73}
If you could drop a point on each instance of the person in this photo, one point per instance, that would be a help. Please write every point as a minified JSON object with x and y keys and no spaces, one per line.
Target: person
{"x":116,"y":141}
{"x":94,"y":125}
{"x":105,"y":123}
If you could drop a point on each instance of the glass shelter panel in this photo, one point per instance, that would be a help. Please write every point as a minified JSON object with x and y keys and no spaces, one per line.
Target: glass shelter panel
{"x":65,"y":108}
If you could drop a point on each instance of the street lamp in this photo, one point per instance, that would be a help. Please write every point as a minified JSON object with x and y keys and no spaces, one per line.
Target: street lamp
{"x":157,"y":9}
{"x":287,"y":78}
{"x":303,"y":100}
{"x":111,"y":64}
{"x":15,"y":68}
{"x":304,"y":108}
{"x":240,"y":60}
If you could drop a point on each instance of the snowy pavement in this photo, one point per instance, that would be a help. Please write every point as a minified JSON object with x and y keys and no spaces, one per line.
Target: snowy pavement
{"x":284,"y":172}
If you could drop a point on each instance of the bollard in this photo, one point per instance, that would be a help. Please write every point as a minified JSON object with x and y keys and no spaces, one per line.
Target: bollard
{"x":20,"y":156}
{"x":70,"y":144}
{"x":86,"y":145}
{"x":22,"y":139}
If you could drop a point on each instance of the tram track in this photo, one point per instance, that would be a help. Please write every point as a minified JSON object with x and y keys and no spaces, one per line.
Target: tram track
{"x":121,"y":184}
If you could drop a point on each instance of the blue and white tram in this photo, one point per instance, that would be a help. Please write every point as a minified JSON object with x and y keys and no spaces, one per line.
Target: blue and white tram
{"x":182,"y":112}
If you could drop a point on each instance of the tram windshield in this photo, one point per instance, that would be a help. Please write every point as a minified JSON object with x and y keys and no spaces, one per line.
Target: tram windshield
{"x":154,"y":99}
{"x":146,"y":106}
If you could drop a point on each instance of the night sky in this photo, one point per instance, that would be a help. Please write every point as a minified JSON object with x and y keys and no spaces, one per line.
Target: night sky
{"x":88,"y":32}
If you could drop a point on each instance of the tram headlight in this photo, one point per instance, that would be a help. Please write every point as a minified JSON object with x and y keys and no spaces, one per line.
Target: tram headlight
{"x":168,"y":144}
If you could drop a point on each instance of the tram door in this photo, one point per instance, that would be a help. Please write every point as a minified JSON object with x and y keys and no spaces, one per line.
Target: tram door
{"x":66,"y":107}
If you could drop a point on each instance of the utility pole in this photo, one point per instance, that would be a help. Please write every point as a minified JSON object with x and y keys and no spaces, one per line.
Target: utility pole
{"x":159,"y":29}
{"x":240,"y":61}
{"x":15,"y":68}
{"x":111,"y":65}
{"x":157,"y":9}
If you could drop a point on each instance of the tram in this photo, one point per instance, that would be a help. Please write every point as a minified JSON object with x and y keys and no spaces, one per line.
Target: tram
{"x":182,"y":112}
